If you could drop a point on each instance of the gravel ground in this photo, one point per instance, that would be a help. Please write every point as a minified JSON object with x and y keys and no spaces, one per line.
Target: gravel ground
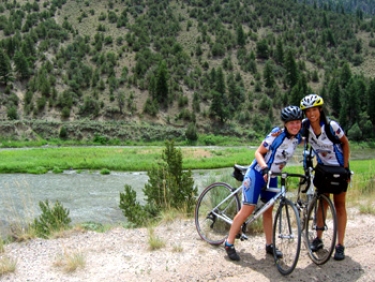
{"x":124,"y":255}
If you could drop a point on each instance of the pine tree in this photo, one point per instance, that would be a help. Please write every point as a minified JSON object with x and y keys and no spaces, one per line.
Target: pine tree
{"x":241,"y":40}
{"x":21,"y":65}
{"x":121,"y":100}
{"x":161,"y":89}
{"x":5,"y":68}
{"x":218,"y":106}
{"x":220,"y":81}
{"x":268,"y":76}
{"x":263,"y":51}
{"x":291,"y":69}
{"x":371,"y":101}
{"x":345,"y":75}
{"x":279,"y":53}
{"x":334,"y":97}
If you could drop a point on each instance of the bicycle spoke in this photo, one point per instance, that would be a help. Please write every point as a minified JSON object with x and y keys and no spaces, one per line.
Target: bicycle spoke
{"x":287,"y":237}
{"x":321,"y":223}
{"x":213,"y":216}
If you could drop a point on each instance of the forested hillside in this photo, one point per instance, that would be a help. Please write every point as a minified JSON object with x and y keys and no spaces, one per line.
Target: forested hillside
{"x":207,"y":66}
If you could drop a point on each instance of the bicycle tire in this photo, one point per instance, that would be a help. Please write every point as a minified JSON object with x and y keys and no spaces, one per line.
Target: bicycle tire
{"x":210,"y":227}
{"x":287,"y":236}
{"x":328,"y":236}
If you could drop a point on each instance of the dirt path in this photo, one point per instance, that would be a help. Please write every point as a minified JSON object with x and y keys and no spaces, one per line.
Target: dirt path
{"x":123,"y":255}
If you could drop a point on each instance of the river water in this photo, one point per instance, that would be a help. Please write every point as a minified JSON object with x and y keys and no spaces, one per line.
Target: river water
{"x":89,"y":196}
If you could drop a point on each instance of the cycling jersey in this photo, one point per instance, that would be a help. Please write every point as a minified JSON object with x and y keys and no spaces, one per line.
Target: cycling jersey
{"x":280,"y":150}
{"x":326,"y":151}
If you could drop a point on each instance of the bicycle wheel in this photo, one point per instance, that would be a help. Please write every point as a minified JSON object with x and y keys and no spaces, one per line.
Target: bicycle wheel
{"x":321,"y":222}
{"x":213,"y":216}
{"x":287,"y":236}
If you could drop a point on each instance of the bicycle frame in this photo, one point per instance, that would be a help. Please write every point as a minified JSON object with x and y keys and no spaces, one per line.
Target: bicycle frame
{"x":258,"y":212}
{"x":219,"y":203}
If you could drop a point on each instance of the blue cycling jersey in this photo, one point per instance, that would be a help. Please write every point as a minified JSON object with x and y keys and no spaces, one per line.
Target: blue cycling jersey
{"x":280,"y":150}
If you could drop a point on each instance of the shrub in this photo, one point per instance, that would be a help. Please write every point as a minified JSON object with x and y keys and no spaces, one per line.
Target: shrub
{"x":52,"y":219}
{"x":191,"y":132}
{"x":168,"y":187}
{"x":63,"y":133}
{"x":12,"y":113}
{"x":105,"y":171}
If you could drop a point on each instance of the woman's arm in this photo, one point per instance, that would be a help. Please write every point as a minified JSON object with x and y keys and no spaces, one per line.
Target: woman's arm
{"x":346,"y":150}
{"x":259,"y":156}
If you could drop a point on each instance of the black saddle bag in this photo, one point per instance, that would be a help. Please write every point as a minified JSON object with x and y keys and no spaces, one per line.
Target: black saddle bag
{"x":330,"y":179}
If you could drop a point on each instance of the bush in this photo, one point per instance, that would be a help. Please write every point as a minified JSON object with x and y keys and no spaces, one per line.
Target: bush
{"x":52,"y":219}
{"x":12,"y":113}
{"x":63,"y":133}
{"x":191,"y":132}
{"x":105,"y":171}
{"x":168,"y":187}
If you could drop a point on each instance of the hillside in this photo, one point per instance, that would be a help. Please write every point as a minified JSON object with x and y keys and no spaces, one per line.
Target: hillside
{"x":225,"y":66}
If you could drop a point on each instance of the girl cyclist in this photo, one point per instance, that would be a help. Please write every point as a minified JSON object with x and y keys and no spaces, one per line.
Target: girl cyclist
{"x":328,"y":153}
{"x":273,"y":154}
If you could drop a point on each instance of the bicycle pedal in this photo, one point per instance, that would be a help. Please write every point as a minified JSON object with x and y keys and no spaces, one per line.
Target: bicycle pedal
{"x":243,"y":237}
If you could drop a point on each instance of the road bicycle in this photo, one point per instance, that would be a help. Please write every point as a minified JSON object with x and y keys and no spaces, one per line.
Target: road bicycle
{"x":317,"y":214}
{"x":219,"y":203}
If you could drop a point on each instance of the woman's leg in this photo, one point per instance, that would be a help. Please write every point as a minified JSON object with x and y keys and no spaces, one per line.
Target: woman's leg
{"x":240,"y":218}
{"x":340,"y":205}
{"x":267,"y":225}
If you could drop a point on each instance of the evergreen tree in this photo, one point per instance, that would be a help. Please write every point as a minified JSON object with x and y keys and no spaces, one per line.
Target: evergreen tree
{"x":121,"y":100}
{"x":345,"y":75}
{"x":294,"y":97}
{"x":291,"y":69}
{"x":269,"y":78}
{"x":161,"y":90}
{"x":371,"y":100}
{"x":262,"y":49}
{"x":330,"y":38}
{"x":21,"y":65}
{"x":5,"y":68}
{"x":355,"y":133}
{"x":334,"y":97}
{"x":241,"y":39}
{"x":220,"y":81}
{"x":353,"y":100}
{"x":279,"y":52}
{"x":218,"y":107}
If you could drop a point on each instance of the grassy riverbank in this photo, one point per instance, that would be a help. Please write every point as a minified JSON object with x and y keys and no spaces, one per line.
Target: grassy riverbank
{"x":41,"y":160}
{"x":57,"y":159}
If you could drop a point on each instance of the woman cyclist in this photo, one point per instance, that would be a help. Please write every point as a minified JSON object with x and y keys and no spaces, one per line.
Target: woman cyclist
{"x":273,"y":154}
{"x":328,"y":153}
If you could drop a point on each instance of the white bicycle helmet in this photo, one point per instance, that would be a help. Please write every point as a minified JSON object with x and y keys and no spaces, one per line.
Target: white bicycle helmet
{"x":310,"y":101}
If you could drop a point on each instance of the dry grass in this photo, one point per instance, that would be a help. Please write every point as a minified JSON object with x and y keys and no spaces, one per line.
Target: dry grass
{"x":70,"y":262}
{"x":177,"y":248}
{"x":154,"y":241}
{"x":7,"y":265}
{"x":1,"y":245}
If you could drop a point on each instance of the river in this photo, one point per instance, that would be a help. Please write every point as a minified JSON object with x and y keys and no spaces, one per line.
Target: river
{"x":89,"y":196}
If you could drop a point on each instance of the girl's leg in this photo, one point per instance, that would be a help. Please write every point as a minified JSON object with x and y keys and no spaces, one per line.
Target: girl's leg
{"x":240,"y":218}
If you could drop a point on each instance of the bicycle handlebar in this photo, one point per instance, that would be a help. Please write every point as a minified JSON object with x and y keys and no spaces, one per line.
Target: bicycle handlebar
{"x":284,"y":176}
